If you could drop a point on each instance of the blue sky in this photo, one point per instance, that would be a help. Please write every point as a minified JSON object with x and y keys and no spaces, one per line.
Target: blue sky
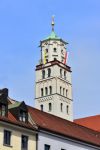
{"x":23,"y":23}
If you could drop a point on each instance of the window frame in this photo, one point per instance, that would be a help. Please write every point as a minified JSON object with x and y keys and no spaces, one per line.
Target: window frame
{"x":7,"y":139}
{"x":48,"y":146}
{"x":49,"y":72}
{"x":50,"y":90}
{"x":26,"y":144}
{"x":41,"y":107}
{"x":43,"y":74}
{"x":50,"y":107}
{"x":46,"y":91}
{"x":54,"y":49}
{"x":61,"y":107}
{"x":42,"y":94}
{"x":2,"y":111}
{"x":22,"y":115}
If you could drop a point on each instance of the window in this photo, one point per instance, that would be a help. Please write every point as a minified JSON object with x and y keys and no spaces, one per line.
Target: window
{"x":66,"y":93}
{"x":7,"y":137}
{"x":67,"y":109}
{"x":46,"y":91}
{"x":41,"y":107}
{"x":55,"y":50}
{"x":46,"y":50}
{"x":65,"y":75}
{"x":43,"y":74}
{"x":46,"y":147}
{"x":49,"y":72}
{"x":2,"y":110}
{"x":62,"y":52}
{"x":24,"y":142}
{"x":41,"y":92}
{"x":62,"y":59}
{"x":61,"y":107}
{"x":61,"y":73}
{"x":46,"y":60}
{"x":62,"y":149}
{"x":63,"y":91}
{"x":50,"y":89}
{"x":50,"y":106}
{"x":22,"y":116}
{"x":60,"y":90}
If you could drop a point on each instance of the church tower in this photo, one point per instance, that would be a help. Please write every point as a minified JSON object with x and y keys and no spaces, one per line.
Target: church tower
{"x":53,"y":87}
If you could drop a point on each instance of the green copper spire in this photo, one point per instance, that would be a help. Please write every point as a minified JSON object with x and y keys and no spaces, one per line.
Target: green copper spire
{"x":53,"y":35}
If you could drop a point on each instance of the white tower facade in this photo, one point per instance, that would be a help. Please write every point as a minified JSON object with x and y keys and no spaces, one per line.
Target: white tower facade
{"x":53,"y":86}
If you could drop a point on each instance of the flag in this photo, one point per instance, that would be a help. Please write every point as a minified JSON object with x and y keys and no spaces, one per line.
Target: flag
{"x":66,"y":57}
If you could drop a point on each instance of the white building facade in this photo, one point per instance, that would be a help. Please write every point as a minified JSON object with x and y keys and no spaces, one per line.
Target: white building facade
{"x":48,"y":141}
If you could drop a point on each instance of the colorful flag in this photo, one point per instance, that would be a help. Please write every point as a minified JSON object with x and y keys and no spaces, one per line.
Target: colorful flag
{"x":66,"y":57}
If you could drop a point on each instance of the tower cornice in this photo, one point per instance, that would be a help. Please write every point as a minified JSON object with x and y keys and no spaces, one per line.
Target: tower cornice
{"x":52,"y":63}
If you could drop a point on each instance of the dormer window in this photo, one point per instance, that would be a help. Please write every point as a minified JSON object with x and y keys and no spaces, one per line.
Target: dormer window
{"x":2,"y":110}
{"x":22,"y":116}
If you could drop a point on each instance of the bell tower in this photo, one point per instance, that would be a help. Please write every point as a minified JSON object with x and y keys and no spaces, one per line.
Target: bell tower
{"x":53,"y":86}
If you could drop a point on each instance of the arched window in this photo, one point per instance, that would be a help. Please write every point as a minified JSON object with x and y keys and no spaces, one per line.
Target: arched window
{"x":61,"y":107}
{"x":46,"y":91}
{"x":55,"y":50}
{"x":41,"y":107}
{"x":50,"y":107}
{"x":63,"y":91}
{"x":41,"y":92}
{"x":46,"y":50}
{"x":50,"y":90}
{"x":61,"y":73}
{"x":66,"y":93}
{"x":60,"y":90}
{"x":55,"y":58}
{"x":65,"y":75}
{"x":43,"y":74}
{"x":49,"y":72}
{"x":67,"y":109}
{"x":46,"y":60}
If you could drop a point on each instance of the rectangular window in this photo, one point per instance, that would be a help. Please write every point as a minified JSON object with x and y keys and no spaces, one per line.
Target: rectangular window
{"x":22,"y":116}
{"x":2,"y":110}
{"x":46,"y":147}
{"x":7,"y":137}
{"x":24,"y":142}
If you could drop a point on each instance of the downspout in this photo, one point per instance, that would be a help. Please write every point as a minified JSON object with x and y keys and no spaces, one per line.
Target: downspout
{"x":36,"y":141}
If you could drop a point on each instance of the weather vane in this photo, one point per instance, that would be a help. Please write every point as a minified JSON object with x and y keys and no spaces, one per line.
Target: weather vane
{"x":53,"y":23}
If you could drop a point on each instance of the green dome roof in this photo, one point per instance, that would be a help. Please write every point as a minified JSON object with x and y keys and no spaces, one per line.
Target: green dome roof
{"x":53,"y":36}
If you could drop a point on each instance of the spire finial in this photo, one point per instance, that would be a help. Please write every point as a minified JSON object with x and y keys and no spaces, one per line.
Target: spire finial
{"x":53,"y":23}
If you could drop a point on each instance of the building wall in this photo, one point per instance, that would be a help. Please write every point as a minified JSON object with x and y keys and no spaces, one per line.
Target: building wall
{"x":57,"y":97}
{"x":60,"y":143}
{"x":16,"y":134}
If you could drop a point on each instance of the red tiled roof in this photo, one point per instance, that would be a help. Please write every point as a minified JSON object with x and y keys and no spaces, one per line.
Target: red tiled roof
{"x":60,"y":126}
{"x":56,"y":125}
{"x":11,"y":119}
{"x":92,"y":122}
